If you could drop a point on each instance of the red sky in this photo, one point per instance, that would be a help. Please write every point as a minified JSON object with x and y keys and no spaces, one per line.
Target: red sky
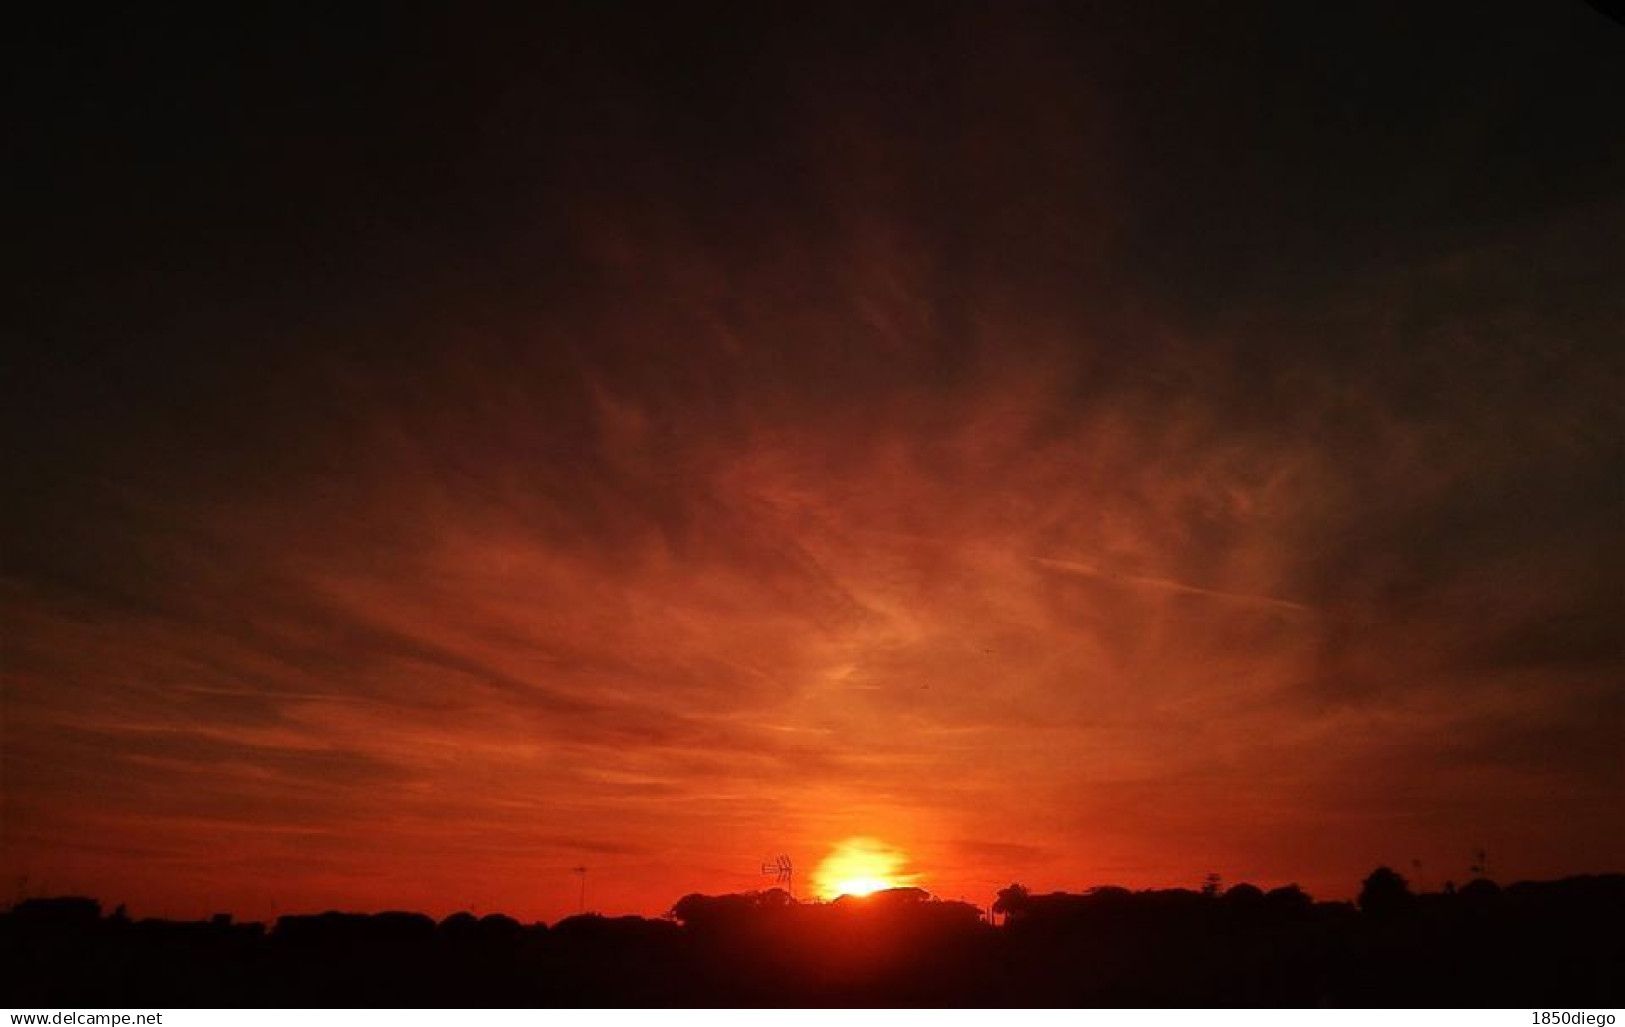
{"x":661,"y":466}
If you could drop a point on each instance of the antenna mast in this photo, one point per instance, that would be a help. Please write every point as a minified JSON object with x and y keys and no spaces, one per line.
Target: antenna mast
{"x":782,"y":873}
{"x":582,"y":871}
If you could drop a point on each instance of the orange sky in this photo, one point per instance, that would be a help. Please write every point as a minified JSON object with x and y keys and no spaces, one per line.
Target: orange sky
{"x":864,"y":505}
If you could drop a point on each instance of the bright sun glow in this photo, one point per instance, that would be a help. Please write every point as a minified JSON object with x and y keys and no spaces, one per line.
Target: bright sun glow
{"x":860,"y":866}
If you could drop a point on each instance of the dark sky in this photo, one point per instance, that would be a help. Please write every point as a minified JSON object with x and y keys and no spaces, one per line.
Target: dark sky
{"x":1065,"y":443}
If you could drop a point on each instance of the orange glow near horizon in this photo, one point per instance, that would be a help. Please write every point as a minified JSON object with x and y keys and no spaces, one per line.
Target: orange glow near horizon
{"x":861,"y":866}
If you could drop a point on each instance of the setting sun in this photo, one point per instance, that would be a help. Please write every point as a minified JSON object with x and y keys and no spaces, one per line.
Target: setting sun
{"x":861,"y":866}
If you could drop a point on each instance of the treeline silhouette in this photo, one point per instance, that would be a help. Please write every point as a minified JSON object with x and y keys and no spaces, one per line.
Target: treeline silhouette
{"x":1536,"y":944}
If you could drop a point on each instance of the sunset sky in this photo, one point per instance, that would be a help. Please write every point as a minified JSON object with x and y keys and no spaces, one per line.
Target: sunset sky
{"x":1066,"y":444}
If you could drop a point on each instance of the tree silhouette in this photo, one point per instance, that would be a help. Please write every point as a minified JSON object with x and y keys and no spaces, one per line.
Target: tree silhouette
{"x":1288,"y":899}
{"x":1243,"y":894}
{"x":1385,"y":893}
{"x":1011,"y":901}
{"x":1106,"y":946}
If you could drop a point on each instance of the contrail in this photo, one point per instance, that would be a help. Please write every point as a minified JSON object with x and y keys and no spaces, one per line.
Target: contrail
{"x":1089,"y":570}
{"x":1073,"y":567}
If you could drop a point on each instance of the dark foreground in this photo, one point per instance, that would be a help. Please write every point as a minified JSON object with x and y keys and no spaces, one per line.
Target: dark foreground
{"x":1534,"y":944}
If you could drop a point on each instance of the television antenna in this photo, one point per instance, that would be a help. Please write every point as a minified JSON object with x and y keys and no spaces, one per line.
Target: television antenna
{"x":582,"y":872}
{"x":782,"y":873}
